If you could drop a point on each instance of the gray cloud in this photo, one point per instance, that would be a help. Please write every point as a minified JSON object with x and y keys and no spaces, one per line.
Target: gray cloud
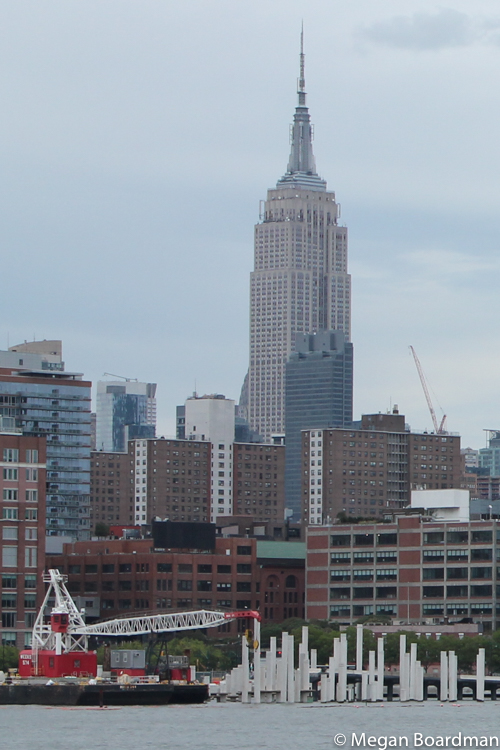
{"x":423,"y":31}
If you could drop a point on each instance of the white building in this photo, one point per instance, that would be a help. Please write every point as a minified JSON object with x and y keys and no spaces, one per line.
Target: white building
{"x":443,"y":505}
{"x":212,"y":418}
{"x":300,"y":282}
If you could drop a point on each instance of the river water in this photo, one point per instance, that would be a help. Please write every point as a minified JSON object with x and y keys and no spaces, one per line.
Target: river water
{"x":231,"y":726}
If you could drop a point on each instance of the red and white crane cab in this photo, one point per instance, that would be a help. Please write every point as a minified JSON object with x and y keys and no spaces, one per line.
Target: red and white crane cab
{"x":59,"y":622}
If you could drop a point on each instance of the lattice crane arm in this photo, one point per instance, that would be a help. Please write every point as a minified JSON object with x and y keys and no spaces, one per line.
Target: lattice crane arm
{"x":426,"y":392}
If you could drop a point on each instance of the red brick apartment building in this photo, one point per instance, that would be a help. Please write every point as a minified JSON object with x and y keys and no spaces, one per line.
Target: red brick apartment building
{"x":411,"y":570}
{"x":22,"y":520}
{"x":172,"y":479}
{"x":113,"y":578}
{"x":362,"y":472}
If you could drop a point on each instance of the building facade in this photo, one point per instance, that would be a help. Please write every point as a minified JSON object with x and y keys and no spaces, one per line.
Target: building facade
{"x":124,"y":410}
{"x":318,"y":393}
{"x":258,"y":484}
{"x":300,"y":282}
{"x":45,"y":400}
{"x":111,"y":488}
{"x":411,"y":570}
{"x":114,"y":578}
{"x":22,"y":520}
{"x":212,"y":418}
{"x":364,"y":472}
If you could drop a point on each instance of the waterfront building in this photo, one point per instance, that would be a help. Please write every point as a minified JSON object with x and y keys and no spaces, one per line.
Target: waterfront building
{"x":300,"y":282}
{"x":125,"y":410}
{"x":45,"y":400}
{"x":22,"y":522}
{"x":318,"y":393}
{"x":111,"y":577}
{"x":409,"y":569}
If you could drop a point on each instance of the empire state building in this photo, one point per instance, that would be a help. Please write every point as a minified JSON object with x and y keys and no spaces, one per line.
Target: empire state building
{"x":300,"y":282}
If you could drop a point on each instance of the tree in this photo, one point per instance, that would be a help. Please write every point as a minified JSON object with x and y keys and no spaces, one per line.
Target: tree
{"x":101,"y":529}
{"x":9,"y":657}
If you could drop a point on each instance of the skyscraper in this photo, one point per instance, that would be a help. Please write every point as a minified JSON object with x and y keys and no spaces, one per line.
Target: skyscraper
{"x":300,"y":282}
{"x":318,"y":393}
{"x":125,"y":411}
{"x":44,"y":400}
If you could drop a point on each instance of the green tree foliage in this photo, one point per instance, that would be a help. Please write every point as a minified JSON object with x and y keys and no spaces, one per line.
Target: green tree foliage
{"x":9,"y":658}
{"x":101,"y":529}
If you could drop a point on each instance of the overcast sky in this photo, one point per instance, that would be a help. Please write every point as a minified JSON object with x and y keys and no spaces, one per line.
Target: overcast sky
{"x":137,"y":138}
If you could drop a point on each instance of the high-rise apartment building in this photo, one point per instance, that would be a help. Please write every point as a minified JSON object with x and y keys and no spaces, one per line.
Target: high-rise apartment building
{"x":213,"y":418}
{"x":365,"y":470}
{"x":45,"y":400}
{"x":300,"y":282}
{"x":318,"y":393}
{"x":22,"y":536}
{"x":125,"y":410}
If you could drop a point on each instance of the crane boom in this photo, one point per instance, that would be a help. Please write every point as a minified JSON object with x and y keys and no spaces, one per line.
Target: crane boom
{"x":67,"y":630}
{"x":438,"y":429}
{"x":162,"y":623}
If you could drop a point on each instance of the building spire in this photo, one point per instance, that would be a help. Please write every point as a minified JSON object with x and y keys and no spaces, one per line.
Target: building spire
{"x":301,"y":168}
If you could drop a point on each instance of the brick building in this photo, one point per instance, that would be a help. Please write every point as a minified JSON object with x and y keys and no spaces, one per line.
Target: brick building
{"x":411,"y":570}
{"x":259,"y":481}
{"x":22,"y":518}
{"x":364,"y":471}
{"x":172,"y":479}
{"x":113,"y":578}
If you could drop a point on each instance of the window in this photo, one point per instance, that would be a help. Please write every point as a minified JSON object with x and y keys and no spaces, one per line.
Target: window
{"x":243,"y":550}
{"x":184,"y":585}
{"x":387,"y":574}
{"x":241,"y":568}
{"x":434,"y":537}
{"x":9,"y":601}
{"x":340,"y":575}
{"x":164,"y":567}
{"x":10,"y":475}
{"x":31,"y":514}
{"x":185,"y":568}
{"x":340,"y":557}
{"x":391,"y":556}
{"x":363,"y":540}
{"x":10,"y":495}
{"x":481,"y":537}
{"x":432,"y":591}
{"x":244,"y":586}
{"x":29,"y":601}
{"x":340,"y":540}
{"x":124,"y":585}
{"x":30,"y":581}
{"x":30,"y":557}
{"x":108,"y":568}
{"x":433,"y":574}
{"x":9,"y":532}
{"x":31,"y":496}
{"x":457,"y":574}
{"x":124,"y":603}
{"x":11,"y":455}
{"x":433,"y":555}
{"x":31,"y":534}
{"x":290,"y":582}
{"x":481,"y":554}
{"x":363,"y":592}
{"x":224,"y":603}
{"x":204,"y":568}
{"x":9,"y":582}
{"x":125,"y":568}
{"x":9,"y":557}
{"x":363,"y":574}
{"x":223,"y":586}
{"x":383,"y":539}
{"x":74,"y":569}
{"x":457,"y":537}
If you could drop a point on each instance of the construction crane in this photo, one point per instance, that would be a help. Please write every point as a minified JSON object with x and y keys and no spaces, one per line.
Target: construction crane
{"x":438,"y":429}
{"x":65,"y":637}
{"x":122,"y":377}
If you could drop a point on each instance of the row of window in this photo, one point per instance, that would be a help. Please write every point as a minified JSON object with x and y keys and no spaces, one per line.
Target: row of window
{"x":479,"y":536}
{"x":11,"y":456}
{"x":167,"y":603}
{"x":428,"y":592}
{"x":161,"y":567}
{"x":31,"y":496}
{"x":359,"y":610}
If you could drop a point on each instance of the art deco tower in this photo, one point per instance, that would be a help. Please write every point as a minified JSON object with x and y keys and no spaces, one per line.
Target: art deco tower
{"x":300,"y":282}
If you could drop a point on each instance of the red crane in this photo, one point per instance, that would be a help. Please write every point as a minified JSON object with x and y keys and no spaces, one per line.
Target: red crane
{"x":439,"y":430}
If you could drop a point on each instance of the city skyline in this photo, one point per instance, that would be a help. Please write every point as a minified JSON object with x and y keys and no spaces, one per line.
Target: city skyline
{"x":100,"y":208}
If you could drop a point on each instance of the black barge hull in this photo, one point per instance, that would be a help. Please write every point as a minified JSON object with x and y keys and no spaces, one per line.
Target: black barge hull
{"x":102,"y":695}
